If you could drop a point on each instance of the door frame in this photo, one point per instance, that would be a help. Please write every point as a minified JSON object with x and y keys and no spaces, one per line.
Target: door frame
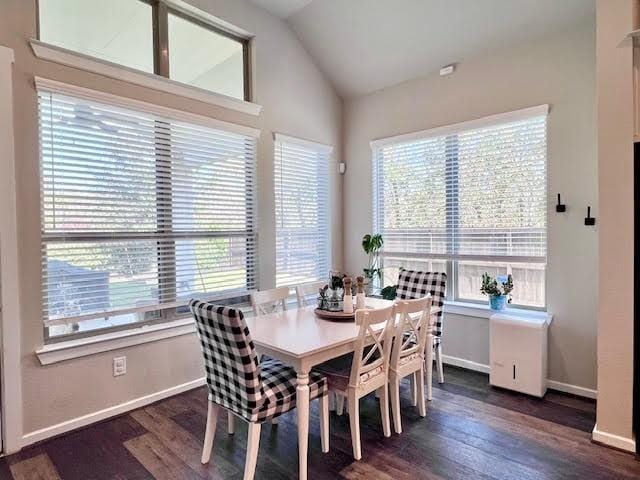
{"x":10,"y":318}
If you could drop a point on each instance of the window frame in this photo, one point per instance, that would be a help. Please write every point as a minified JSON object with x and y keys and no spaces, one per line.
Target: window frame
{"x":164,"y":216}
{"x":451,"y":258}
{"x":160,"y":31}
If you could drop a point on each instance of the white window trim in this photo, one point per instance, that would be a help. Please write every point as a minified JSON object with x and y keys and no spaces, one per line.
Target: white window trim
{"x":462,"y":126}
{"x":10,"y":318}
{"x":106,"y":342}
{"x":481,"y":310}
{"x":322,"y":147}
{"x":63,"y":56}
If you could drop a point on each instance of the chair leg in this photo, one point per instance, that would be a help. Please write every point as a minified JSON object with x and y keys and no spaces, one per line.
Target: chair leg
{"x":414,"y":395}
{"x":394,"y":385}
{"x":253,"y":442}
{"x":324,"y":423}
{"x":210,"y":432}
{"x":439,"y":360}
{"x":332,"y":401}
{"x":339,"y":404}
{"x":429,"y":364}
{"x":383,"y":393}
{"x":354,"y":423}
{"x":231,"y":423}
{"x":422,"y":407}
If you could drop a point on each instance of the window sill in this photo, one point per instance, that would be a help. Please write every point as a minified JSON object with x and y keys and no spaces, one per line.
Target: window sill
{"x":480,"y":310}
{"x":82,"y":347}
{"x":63,"y":56}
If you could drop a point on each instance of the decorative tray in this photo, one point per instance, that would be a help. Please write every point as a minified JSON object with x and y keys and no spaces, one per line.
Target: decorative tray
{"x":336,"y":316}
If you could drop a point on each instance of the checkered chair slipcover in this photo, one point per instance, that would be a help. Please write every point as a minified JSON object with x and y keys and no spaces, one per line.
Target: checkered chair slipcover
{"x":236,"y":380}
{"x":414,"y":284}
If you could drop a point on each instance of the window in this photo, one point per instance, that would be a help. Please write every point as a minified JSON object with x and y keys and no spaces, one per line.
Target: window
{"x":302,"y":211}
{"x":467,"y":199}
{"x":148,"y":35}
{"x":140,"y":210}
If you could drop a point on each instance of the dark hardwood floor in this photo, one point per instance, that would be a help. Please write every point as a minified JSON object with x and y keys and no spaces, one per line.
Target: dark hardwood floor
{"x":472,"y":431}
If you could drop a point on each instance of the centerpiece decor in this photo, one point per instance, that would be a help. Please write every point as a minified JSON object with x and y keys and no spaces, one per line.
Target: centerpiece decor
{"x":372,"y":244}
{"x":331,"y":298}
{"x":498,"y":289}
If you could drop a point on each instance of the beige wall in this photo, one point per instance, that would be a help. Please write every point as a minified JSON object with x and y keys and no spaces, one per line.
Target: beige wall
{"x":559,"y":71}
{"x":297,"y":100}
{"x":615,"y":183}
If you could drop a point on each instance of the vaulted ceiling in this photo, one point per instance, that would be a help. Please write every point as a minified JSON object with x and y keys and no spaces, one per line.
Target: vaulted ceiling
{"x":366,"y":45}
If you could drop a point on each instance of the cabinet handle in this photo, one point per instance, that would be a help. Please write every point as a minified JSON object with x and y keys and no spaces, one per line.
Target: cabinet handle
{"x":514,"y":372}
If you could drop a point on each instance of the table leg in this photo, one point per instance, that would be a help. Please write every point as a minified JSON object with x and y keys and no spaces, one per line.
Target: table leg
{"x":302,"y":402}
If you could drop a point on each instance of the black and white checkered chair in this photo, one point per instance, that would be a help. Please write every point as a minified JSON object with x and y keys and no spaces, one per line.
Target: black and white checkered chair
{"x":238,"y":383}
{"x":413,"y":284}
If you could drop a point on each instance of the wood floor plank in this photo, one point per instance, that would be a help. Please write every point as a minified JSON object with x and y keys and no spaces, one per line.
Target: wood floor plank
{"x":159,"y":460}
{"x":184,"y":445}
{"x":39,"y":467}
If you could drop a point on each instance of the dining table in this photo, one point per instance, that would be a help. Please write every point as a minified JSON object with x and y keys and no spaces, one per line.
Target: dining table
{"x":299,"y":338}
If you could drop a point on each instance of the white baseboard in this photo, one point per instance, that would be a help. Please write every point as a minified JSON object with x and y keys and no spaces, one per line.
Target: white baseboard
{"x":463,"y":363}
{"x":573,"y":389}
{"x":553,"y":384}
{"x":83,"y":421}
{"x":616,"y":441}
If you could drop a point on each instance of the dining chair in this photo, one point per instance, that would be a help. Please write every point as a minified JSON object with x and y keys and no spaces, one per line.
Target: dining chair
{"x":269,"y":301}
{"x":408,"y":353}
{"x":365,"y":371}
{"x":238,"y":383}
{"x":414,"y":284}
{"x":307,"y":290}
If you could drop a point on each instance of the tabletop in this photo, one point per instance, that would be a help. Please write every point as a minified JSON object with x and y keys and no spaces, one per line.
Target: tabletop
{"x":300,"y":333}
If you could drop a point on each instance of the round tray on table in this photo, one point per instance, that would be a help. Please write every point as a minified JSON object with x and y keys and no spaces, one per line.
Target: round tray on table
{"x":335,"y":316}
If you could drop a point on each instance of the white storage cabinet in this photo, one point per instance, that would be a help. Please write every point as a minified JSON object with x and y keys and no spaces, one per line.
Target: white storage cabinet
{"x":518,"y":351}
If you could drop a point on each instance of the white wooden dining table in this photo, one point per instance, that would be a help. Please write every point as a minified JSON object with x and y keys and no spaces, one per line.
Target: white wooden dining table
{"x":302,"y":340}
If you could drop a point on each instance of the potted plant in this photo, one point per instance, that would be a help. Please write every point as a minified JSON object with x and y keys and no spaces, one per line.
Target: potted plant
{"x":372,"y":244}
{"x":498,"y":289}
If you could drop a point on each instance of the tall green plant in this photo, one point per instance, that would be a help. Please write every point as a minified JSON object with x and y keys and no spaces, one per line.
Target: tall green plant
{"x":372,"y":244}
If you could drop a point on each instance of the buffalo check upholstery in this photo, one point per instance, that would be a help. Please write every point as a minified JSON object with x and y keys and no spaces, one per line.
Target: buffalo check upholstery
{"x":236,"y":380}
{"x":414,"y":284}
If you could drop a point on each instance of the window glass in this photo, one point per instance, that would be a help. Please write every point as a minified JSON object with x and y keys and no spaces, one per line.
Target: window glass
{"x":204,"y":58}
{"x":120,"y":31}
{"x":302,"y":213}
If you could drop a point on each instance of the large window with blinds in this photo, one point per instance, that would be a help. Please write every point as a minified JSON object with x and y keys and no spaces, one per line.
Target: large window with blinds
{"x":142,"y":208}
{"x":302,"y":210}
{"x":467,"y":199}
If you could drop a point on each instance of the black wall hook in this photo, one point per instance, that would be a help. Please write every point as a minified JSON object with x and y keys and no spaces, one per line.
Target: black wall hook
{"x":589,"y":220}
{"x":560,"y":207}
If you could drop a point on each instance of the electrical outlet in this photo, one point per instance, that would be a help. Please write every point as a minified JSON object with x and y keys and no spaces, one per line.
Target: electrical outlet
{"x":119,"y":366}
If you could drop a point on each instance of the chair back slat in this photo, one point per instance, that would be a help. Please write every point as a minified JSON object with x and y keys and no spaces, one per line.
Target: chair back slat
{"x":269,"y":301}
{"x":368,"y":359}
{"x":413,"y":284}
{"x":413,"y":322}
{"x":230,"y":360}
{"x":307,"y":293}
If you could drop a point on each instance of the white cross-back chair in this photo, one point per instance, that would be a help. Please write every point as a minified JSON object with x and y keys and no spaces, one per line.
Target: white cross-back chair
{"x":368,"y":372}
{"x":307,"y":293}
{"x":413,"y":332}
{"x":269,"y":301}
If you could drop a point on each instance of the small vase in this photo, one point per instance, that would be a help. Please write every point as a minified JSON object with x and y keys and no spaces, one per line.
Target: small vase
{"x":497,"y":302}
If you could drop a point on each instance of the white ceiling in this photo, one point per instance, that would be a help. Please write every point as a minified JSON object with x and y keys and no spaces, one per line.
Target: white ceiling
{"x":282,"y":8}
{"x":366,"y":45}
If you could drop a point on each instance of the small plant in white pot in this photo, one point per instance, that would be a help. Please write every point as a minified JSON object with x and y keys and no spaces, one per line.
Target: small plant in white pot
{"x":498,"y":289}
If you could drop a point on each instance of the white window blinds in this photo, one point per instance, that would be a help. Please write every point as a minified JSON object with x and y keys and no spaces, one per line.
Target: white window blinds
{"x":470,"y":191}
{"x":141,"y":209}
{"x":302,"y":210}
